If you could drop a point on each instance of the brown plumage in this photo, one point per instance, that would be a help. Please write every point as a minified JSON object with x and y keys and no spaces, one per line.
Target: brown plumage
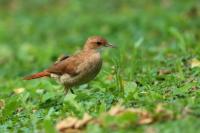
{"x":79,"y":68}
{"x":38,"y":75}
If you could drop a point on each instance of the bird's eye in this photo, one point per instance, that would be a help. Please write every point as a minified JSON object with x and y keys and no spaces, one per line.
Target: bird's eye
{"x":98,"y":43}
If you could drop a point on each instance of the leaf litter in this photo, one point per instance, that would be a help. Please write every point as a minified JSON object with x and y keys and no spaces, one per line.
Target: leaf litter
{"x":144,"y":117}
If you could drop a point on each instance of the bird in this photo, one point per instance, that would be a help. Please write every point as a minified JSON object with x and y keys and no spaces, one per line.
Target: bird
{"x":77,"y":69}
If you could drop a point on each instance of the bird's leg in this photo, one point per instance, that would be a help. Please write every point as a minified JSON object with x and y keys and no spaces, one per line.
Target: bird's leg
{"x":72,"y":91}
{"x":66,"y":90}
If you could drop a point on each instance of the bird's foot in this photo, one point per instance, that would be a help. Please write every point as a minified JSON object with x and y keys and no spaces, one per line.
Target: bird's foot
{"x":66,"y":91}
{"x":72,"y":91}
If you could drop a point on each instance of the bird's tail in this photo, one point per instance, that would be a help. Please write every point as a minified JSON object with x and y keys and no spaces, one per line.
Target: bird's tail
{"x":37,"y":75}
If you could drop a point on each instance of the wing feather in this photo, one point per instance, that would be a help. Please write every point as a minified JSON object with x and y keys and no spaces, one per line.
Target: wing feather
{"x":66,"y":65}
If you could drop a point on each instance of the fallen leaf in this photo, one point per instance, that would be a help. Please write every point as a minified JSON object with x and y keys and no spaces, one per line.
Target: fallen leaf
{"x":166,"y":3}
{"x":75,"y":125}
{"x":164,"y":72}
{"x":145,"y":120}
{"x":72,"y":131}
{"x":162,"y":113}
{"x":19,"y":109}
{"x":150,"y":130}
{"x":110,"y":77}
{"x":144,"y":116}
{"x":83,"y":122}
{"x":19,"y":90}
{"x":194,"y":63}
{"x":2,"y":103}
{"x":66,"y":124}
{"x":159,"y":108}
{"x":34,"y":110}
{"x":40,"y":91}
{"x":193,"y":12}
{"x":193,"y":89}
{"x":186,"y":110}
{"x":116,"y":110}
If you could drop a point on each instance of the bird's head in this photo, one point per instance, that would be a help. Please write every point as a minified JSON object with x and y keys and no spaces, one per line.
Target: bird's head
{"x":96,"y":42}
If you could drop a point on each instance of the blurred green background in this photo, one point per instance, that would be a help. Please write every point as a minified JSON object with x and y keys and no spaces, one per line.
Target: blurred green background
{"x":150,"y":35}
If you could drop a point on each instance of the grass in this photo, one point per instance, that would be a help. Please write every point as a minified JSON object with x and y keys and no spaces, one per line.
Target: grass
{"x":152,"y":36}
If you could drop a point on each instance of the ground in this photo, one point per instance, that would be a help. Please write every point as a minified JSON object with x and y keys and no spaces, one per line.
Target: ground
{"x":155,"y":65}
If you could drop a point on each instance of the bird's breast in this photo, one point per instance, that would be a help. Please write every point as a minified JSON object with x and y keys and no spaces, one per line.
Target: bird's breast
{"x":90,"y":67}
{"x":87,"y":70}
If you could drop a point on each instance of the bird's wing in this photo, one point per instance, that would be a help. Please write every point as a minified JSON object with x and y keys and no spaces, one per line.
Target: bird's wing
{"x":66,"y":65}
{"x":61,"y":58}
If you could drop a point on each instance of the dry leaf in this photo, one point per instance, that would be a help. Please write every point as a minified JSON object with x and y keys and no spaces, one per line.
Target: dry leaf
{"x":166,"y":3}
{"x":159,"y":108}
{"x":186,"y":111}
{"x":194,"y":63}
{"x":110,"y":77}
{"x":193,"y":89}
{"x":145,"y":120}
{"x":34,"y":110}
{"x":2,"y":103}
{"x":83,"y":122}
{"x":73,"y":131}
{"x":163,"y":113}
{"x":40,"y":91}
{"x":66,"y":124}
{"x":150,"y":130}
{"x":116,"y":110}
{"x":193,"y":12}
{"x":19,"y":90}
{"x":20,"y":109}
{"x":73,"y":123}
{"x":164,"y":72}
{"x":144,"y":116}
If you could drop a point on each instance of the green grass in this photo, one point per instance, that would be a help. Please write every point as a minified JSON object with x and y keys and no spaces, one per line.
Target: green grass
{"x":150,"y":35}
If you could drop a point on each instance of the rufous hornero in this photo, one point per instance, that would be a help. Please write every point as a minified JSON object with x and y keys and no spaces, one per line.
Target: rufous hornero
{"x":77,"y":69}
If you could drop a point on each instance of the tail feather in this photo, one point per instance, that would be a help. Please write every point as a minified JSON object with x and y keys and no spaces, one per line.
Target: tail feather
{"x":37,"y":75}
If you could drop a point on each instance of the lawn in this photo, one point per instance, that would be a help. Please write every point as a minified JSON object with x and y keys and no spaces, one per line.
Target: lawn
{"x":155,"y":69}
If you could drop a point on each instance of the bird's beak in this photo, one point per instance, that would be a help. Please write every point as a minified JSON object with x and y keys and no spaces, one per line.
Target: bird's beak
{"x":110,"y":45}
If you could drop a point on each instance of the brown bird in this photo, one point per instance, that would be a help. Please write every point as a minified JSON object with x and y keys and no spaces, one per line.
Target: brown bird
{"x":77,"y":69}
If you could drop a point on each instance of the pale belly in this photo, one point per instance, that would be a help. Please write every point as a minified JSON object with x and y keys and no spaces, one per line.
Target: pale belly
{"x":88,"y":71}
